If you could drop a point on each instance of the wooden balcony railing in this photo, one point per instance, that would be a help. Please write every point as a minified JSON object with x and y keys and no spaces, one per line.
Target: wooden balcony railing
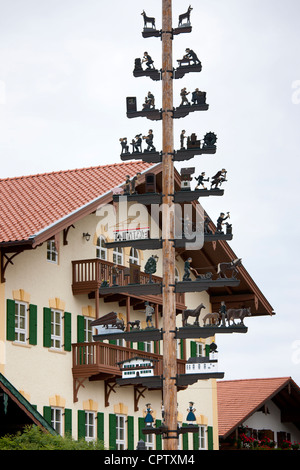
{"x":99,"y":361}
{"x":88,"y":274}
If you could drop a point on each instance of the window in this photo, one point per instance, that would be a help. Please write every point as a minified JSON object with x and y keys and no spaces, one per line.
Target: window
{"x":20,"y":322}
{"x":134,"y":256}
{"x":90,"y":428}
{"x":118,"y":255}
{"x":52,"y":254}
{"x":101,"y":250}
{"x":56,"y":329}
{"x":88,"y":330}
{"x":148,"y":346}
{"x":121,"y":432}
{"x":199,"y":349}
{"x":56,"y":419}
{"x":202,"y":440}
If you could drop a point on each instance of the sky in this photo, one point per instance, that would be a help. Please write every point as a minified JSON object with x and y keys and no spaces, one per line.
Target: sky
{"x":65,"y":72}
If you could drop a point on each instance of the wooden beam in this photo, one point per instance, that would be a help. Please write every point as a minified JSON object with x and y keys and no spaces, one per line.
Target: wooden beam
{"x":168,"y":250}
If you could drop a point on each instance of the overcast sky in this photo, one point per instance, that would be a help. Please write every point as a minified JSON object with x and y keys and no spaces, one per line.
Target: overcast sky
{"x":65,"y":72}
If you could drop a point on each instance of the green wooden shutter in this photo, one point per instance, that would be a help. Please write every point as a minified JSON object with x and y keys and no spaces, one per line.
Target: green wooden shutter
{"x":100,"y":426}
{"x":196,"y":441}
{"x":207,"y":350}
{"x":181,"y":349}
{"x":210,"y":438}
{"x":141,"y":346}
{"x":81,"y":424}
{"x":185,"y":439}
{"x":47,"y":413}
{"x":10,"y":319}
{"x":33,"y":324}
{"x":68,"y":422}
{"x":158,"y":437}
{"x":193,"y":349}
{"x":67,"y":331}
{"x":130,"y":433}
{"x":80,"y":329}
{"x":112,"y":431}
{"x":141,"y":426}
{"x":47,"y":327}
{"x":112,"y":341}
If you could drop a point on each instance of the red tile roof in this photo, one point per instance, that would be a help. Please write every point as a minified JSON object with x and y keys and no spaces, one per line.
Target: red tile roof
{"x":29,"y":204}
{"x":239,"y":399}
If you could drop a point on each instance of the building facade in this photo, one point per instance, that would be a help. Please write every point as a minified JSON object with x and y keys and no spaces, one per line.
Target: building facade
{"x":53,"y":261}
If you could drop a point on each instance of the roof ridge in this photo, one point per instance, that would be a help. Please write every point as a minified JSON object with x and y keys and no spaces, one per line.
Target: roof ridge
{"x":255,"y":379}
{"x":56,"y":172}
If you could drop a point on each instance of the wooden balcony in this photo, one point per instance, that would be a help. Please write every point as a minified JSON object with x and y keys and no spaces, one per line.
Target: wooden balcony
{"x":88,"y":274}
{"x":98,"y":361}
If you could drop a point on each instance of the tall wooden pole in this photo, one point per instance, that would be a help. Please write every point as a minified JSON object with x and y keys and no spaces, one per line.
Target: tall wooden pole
{"x":169,"y":301}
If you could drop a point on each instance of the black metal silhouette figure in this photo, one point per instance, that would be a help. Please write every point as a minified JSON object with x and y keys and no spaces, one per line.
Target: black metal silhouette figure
{"x":148,"y":19}
{"x":185,"y":16}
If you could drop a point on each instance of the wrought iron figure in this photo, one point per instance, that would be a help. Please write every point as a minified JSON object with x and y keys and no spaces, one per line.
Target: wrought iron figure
{"x":192,"y":313}
{"x":149,"y":420}
{"x":185,"y":16}
{"x":200,"y":180}
{"x":137,"y":144}
{"x":149,"y":101}
{"x":148,"y":19}
{"x":198,"y":97}
{"x":149,"y":141}
{"x":187,"y":270}
{"x":182,"y":137}
{"x":183,"y":95}
{"x":150,"y":266}
{"x":191,"y":415}
{"x":133,"y":183}
{"x":221,"y":220}
{"x":125,"y":147}
{"x":231,"y":266}
{"x":149,"y":310}
{"x":223,"y":313}
{"x":192,"y":55}
{"x":218,"y":179}
{"x":207,"y":221}
{"x":127,"y":186}
{"x":148,"y":60}
{"x":238,"y":314}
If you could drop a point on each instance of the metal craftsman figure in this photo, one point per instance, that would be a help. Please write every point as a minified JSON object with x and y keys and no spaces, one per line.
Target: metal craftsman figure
{"x":222,"y":312}
{"x":182,"y":137}
{"x":125,"y":147}
{"x":149,"y":141}
{"x":115,"y":273}
{"x":149,"y":310}
{"x":200,"y":180}
{"x":218,"y":178}
{"x":148,"y":60}
{"x":133,"y":183}
{"x":187,"y":270}
{"x":137,"y":144}
{"x":192,"y":55}
{"x":221,"y":221}
{"x":183,"y":95}
{"x":149,"y":101}
{"x":197,"y":97}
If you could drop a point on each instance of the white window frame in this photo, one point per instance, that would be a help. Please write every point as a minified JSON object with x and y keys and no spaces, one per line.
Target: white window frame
{"x":149,"y":441}
{"x":202,"y":438}
{"x":118,"y":255}
{"x":121,"y":432}
{"x":21,"y":332}
{"x":56,"y":337}
{"x":134,"y":257}
{"x":148,"y":346}
{"x":90,"y":426}
{"x":101,"y":251}
{"x":52,"y":253}
{"x":57,"y":419}
{"x":88,"y":330}
{"x":200,"y":348}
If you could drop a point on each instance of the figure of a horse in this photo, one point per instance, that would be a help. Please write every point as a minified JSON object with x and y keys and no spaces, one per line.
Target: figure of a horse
{"x":214,"y":318}
{"x":148,"y":19}
{"x":185,"y":16}
{"x":192,"y":313}
{"x":232,"y":266}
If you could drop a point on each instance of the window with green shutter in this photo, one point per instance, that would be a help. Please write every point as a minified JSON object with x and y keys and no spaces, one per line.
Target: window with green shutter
{"x":185,"y":439}
{"x":130,"y":433}
{"x":100,"y":426}
{"x":196,"y":441}
{"x":210,"y":438}
{"x":193,"y":349}
{"x":47,"y":327}
{"x":33,"y":324}
{"x":68,"y":421}
{"x":81,"y":424}
{"x":67,"y":331}
{"x":10,"y":319}
{"x":158,"y":437}
{"x":141,"y":423}
{"x":80,"y":329}
{"x":112,"y":431}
